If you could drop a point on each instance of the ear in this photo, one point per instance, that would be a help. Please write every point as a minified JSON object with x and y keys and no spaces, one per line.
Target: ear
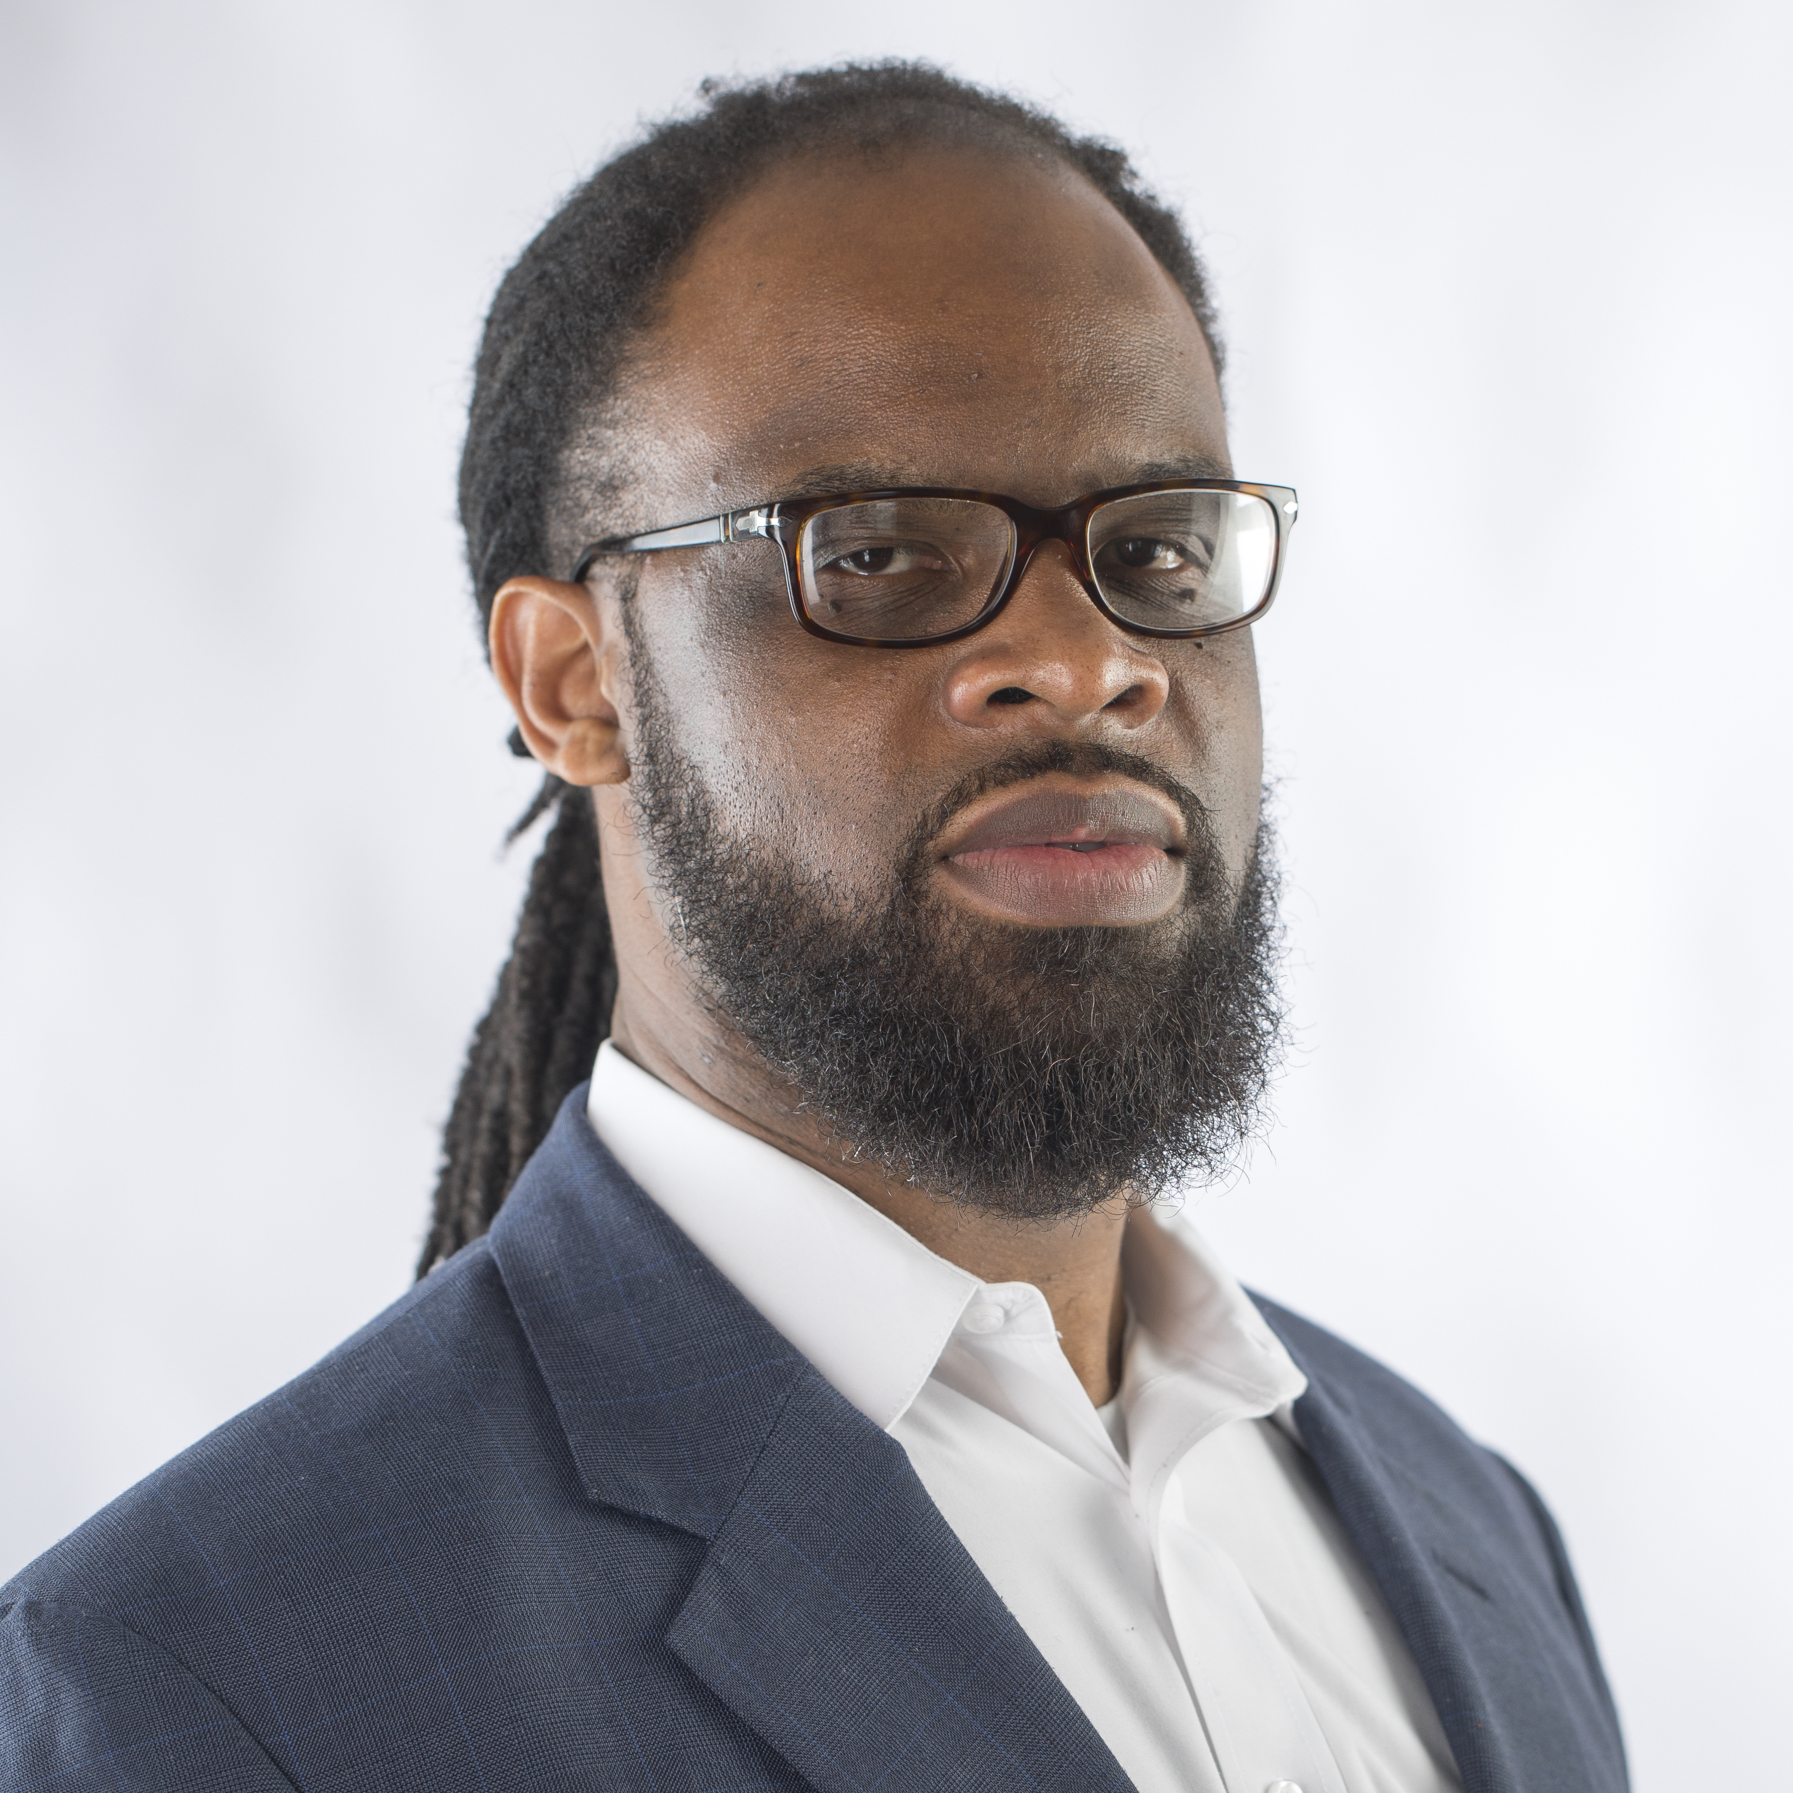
{"x":560,"y":665}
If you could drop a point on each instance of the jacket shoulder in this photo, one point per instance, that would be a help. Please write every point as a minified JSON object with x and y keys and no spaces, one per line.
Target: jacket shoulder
{"x":391,"y":1573}
{"x":88,"y":1704}
{"x":252,"y":1491}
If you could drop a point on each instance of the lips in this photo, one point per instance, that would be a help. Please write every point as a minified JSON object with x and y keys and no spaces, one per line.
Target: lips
{"x":1064,"y":854}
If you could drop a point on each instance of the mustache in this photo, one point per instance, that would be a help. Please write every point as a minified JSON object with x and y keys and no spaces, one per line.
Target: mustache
{"x":1079,"y":759}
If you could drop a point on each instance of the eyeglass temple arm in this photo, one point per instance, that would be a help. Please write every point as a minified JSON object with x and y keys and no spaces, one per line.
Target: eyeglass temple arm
{"x":729,"y":527}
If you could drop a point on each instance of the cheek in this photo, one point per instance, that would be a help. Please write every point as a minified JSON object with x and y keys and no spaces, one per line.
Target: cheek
{"x":1215,"y":707}
{"x":795,"y":739}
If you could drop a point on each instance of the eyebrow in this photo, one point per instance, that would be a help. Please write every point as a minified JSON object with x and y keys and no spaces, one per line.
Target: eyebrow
{"x":845,"y":476}
{"x":830,"y":480}
{"x":1195,"y":466}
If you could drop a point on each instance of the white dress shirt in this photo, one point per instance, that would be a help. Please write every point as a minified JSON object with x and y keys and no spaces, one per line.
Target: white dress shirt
{"x":1172,"y":1556}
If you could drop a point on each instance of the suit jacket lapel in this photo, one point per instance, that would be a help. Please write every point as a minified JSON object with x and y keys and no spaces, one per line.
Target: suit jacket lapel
{"x":1463,"y":1556}
{"x":665,"y":1381}
{"x":836,"y":1611}
{"x":840,"y":1616}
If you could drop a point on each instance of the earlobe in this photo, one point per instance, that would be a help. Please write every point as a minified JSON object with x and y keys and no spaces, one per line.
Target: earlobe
{"x":557,"y":663}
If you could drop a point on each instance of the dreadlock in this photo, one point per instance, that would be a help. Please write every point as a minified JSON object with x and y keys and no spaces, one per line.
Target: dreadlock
{"x":536,"y":480}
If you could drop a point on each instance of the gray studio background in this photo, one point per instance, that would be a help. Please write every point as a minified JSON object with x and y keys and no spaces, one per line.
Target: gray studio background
{"x":1508,"y":292}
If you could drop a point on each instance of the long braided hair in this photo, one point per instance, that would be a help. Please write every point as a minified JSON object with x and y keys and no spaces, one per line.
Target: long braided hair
{"x":536,"y":479}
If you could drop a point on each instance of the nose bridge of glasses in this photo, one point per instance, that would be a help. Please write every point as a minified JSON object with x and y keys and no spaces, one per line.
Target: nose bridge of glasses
{"x":1035,"y":529}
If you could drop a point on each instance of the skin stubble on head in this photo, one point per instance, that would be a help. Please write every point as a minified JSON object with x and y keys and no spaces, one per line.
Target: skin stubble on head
{"x":945,"y":318}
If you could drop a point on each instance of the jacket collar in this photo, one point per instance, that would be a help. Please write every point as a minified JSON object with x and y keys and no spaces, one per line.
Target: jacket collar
{"x":1472,"y":1569}
{"x":835,"y":1611}
{"x":666,"y":1382}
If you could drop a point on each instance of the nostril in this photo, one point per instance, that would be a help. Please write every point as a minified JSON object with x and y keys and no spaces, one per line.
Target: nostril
{"x":1011,"y":694}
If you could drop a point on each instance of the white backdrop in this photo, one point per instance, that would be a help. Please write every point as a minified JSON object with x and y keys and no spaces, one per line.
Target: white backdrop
{"x":1508,"y":289}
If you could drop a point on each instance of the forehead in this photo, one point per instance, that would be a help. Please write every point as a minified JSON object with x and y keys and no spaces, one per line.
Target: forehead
{"x":944,"y":317}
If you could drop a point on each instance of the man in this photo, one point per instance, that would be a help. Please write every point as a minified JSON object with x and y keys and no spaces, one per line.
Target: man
{"x":833,"y":1401}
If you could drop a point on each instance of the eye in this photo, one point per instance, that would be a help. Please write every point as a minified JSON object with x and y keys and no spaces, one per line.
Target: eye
{"x":886,"y":559}
{"x":1147,"y":554}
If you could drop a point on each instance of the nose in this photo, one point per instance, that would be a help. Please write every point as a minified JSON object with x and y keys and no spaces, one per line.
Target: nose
{"x":1051,"y":661}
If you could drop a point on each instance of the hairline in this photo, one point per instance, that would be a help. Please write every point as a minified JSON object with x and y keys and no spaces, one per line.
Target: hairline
{"x":599,"y":421}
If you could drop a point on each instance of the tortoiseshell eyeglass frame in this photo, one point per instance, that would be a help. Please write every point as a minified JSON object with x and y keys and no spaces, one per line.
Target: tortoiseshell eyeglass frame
{"x":782,"y":523}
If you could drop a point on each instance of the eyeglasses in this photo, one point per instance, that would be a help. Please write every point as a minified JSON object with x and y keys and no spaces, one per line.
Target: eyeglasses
{"x":912,"y":566}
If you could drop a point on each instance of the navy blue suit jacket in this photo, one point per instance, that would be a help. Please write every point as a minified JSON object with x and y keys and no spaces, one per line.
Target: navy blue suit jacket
{"x":571,"y":1514}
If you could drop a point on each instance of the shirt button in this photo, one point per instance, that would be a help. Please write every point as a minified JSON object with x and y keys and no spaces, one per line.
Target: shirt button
{"x":986,"y":1316}
{"x":1282,"y":1787}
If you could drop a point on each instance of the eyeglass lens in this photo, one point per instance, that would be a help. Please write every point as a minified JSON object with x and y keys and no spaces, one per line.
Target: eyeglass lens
{"x":900,"y":569}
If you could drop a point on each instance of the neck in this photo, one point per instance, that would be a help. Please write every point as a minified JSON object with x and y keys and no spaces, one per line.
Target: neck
{"x":1075,"y":1263}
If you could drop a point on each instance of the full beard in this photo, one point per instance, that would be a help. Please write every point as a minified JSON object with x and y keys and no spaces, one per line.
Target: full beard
{"x":1035,"y":1073}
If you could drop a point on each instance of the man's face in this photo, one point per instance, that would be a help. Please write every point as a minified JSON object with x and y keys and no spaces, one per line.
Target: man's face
{"x":1036,"y":820}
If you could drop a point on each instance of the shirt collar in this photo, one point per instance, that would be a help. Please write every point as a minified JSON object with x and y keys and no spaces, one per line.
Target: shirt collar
{"x":873,"y":1308}
{"x":867,"y":1303}
{"x":1199,"y":1356}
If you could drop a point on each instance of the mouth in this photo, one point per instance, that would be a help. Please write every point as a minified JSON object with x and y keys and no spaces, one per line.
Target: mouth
{"x":1064,"y":852}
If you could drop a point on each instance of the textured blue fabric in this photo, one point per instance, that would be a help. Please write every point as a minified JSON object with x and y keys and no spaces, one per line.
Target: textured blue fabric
{"x":1472,"y":1568}
{"x":571,"y":1515}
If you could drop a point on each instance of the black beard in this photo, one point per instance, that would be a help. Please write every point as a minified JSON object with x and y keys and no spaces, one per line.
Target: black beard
{"x":1027,"y":1072}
